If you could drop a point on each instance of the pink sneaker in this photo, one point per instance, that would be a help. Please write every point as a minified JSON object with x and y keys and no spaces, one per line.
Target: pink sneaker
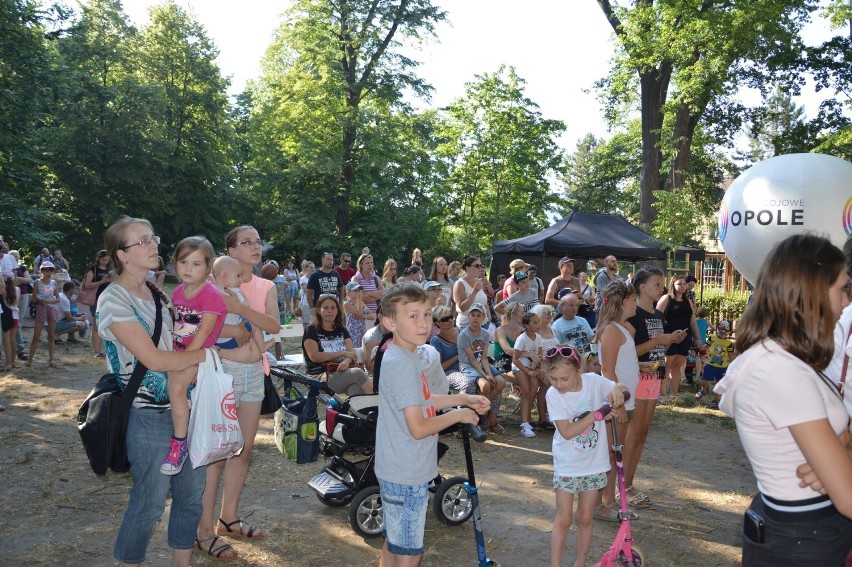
{"x":176,"y":457}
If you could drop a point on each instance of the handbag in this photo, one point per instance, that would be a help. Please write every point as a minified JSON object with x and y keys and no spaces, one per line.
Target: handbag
{"x":296,"y":427}
{"x":271,"y":399}
{"x":87,"y":296}
{"x":214,"y":430}
{"x":102,"y":418}
{"x":331,"y":367}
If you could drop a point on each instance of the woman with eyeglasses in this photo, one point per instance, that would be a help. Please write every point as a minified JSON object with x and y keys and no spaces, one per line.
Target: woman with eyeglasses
{"x":329,"y":352}
{"x":788,"y":412}
{"x":469,"y":290}
{"x":242,"y":243}
{"x":127,"y":315}
{"x":389,"y":273}
{"x":445,"y":342}
{"x":97,"y":277}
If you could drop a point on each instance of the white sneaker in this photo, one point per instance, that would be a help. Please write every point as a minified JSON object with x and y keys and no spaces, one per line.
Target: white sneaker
{"x":527,"y":430}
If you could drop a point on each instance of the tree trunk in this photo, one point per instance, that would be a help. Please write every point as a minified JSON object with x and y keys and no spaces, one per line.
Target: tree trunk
{"x":654,"y":85}
{"x":684,"y":128}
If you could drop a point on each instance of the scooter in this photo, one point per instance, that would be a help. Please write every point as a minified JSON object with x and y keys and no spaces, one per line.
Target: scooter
{"x":472,"y":491}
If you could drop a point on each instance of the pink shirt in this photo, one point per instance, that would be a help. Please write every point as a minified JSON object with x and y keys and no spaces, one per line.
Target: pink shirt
{"x":369,"y":284}
{"x":256,"y":291}
{"x":189,"y":311}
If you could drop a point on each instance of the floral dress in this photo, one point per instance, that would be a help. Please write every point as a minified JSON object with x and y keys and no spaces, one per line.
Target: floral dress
{"x":357,"y":326}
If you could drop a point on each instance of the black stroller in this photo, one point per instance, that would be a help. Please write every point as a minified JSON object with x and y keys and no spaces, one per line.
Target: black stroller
{"x":348,"y":438}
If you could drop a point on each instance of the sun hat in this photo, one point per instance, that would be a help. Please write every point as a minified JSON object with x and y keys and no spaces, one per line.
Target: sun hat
{"x":353,"y":285}
{"x":520,"y":276}
{"x":47,"y":264}
{"x":477,"y":307}
{"x":517,"y":264}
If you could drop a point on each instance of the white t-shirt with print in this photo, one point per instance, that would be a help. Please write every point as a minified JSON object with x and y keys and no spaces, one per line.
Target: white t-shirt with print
{"x":523,"y":342}
{"x":588,"y":452}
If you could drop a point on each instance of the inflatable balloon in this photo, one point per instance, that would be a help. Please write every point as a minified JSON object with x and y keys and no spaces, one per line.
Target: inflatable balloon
{"x":782,"y":196}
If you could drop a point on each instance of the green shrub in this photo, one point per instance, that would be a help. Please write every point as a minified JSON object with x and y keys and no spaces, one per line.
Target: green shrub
{"x":721,"y":305}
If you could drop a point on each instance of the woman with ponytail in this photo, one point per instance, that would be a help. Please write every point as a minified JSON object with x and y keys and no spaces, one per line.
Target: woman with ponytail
{"x":126,"y":314}
{"x":620,"y":364}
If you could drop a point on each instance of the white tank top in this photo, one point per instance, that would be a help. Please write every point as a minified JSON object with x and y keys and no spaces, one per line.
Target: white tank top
{"x":627,"y":366}
{"x":462,"y":320}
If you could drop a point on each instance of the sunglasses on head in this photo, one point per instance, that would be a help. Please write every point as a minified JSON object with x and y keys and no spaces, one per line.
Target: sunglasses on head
{"x":564,"y":351}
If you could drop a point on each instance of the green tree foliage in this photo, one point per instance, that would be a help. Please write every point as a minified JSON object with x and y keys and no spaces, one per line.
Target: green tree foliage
{"x":601,"y":176}
{"x":141,"y":127}
{"x":26,"y":88}
{"x":502,"y":155}
{"x":194,"y":140}
{"x":771,"y":124}
{"x":336,"y":154}
{"x":684,"y":55}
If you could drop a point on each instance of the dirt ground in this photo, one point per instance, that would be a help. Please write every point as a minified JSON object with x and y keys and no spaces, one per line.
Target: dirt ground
{"x":55,"y":511}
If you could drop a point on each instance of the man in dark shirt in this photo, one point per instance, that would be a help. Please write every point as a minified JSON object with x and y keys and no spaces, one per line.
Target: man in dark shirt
{"x":324,"y":280}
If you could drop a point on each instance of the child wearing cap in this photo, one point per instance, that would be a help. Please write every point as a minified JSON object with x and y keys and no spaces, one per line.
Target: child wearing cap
{"x":525,"y":296}
{"x":473,"y":344}
{"x":45,"y":296}
{"x":720,"y":353}
{"x":357,"y":313}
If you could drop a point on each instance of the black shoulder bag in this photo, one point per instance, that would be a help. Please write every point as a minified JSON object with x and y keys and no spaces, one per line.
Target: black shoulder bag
{"x":102,"y":419}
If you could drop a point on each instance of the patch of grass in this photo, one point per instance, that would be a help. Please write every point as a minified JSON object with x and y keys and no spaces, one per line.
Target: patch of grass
{"x":728,"y":422}
{"x":693,"y":417}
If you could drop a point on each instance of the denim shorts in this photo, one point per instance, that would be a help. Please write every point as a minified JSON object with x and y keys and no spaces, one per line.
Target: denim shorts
{"x":404,"y":512}
{"x":248,"y":380}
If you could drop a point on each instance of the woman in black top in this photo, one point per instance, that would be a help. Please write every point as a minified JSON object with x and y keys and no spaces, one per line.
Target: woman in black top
{"x":679,"y":313}
{"x":97,"y":277}
{"x":325,"y":341}
{"x":647,"y":328}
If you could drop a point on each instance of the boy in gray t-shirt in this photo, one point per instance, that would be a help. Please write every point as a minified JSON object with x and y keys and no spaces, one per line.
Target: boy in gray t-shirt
{"x":408,"y":426}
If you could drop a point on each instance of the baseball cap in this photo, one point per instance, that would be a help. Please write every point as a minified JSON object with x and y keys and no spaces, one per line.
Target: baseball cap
{"x":47,"y":264}
{"x":724,"y":326}
{"x":520,"y":276}
{"x":566,"y":260}
{"x":532,"y":268}
{"x":427,"y":285}
{"x":477,"y":307}
{"x":564,"y":291}
{"x":517,"y":264}
{"x":353,"y":285}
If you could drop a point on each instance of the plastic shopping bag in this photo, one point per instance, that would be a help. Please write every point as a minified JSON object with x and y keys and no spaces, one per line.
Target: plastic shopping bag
{"x":214,"y":432}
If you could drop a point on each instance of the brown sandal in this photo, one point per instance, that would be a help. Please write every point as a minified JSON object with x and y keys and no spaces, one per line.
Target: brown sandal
{"x":215,"y":551}
{"x":239,"y":533}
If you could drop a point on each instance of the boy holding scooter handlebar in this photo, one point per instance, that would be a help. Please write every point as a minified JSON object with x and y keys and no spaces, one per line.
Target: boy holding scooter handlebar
{"x":580,"y":452}
{"x":408,"y":424}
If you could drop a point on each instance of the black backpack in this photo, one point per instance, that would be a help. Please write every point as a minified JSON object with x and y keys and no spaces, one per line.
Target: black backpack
{"x":377,"y":363}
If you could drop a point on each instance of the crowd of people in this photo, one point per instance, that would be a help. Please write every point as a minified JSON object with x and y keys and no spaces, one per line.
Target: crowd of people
{"x":564,"y":348}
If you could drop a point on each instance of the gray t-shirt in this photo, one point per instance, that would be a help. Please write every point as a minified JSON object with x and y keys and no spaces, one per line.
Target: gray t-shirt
{"x":410,"y":379}
{"x":528,"y":300}
{"x":478,"y":343}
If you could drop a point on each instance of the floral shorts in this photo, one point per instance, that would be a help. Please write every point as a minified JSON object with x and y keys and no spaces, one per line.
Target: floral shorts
{"x":577,"y":484}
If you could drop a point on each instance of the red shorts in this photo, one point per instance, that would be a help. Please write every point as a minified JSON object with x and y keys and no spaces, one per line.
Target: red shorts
{"x":649,"y":386}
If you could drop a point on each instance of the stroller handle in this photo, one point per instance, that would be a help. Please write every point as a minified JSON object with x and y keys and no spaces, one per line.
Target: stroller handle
{"x":605,"y":409}
{"x":294,"y":376}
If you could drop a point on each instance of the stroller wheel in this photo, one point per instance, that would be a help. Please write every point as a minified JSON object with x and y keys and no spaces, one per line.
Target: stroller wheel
{"x":452,"y":504}
{"x":365,"y":513}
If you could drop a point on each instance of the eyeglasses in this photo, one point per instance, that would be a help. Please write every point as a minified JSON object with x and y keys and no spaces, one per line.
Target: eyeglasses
{"x":48,"y":269}
{"x":476,"y":265}
{"x":146,"y":242}
{"x":565,"y":351}
{"x":250,"y":243}
{"x":444,"y":319}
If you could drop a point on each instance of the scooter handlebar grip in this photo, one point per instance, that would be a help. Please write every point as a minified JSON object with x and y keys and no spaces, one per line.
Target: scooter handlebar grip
{"x":605,"y":409}
{"x":475,"y":432}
